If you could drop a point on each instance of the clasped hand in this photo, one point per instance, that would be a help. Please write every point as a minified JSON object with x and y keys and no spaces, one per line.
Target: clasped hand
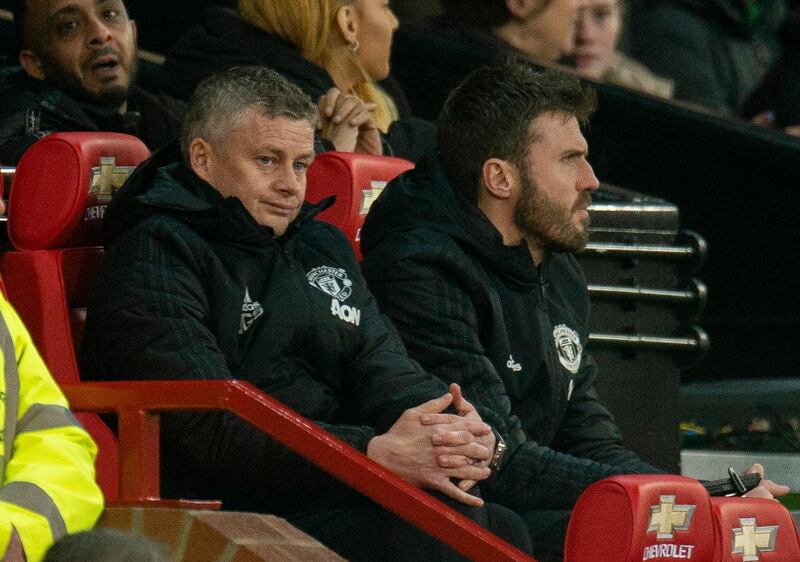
{"x":348,"y":122}
{"x":431,"y":449}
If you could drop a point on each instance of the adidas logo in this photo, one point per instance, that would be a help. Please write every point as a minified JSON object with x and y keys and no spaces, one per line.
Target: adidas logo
{"x":250,"y":311}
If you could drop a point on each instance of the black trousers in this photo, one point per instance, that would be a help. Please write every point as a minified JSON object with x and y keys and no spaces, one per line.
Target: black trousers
{"x":548,"y":529}
{"x":366,"y":531}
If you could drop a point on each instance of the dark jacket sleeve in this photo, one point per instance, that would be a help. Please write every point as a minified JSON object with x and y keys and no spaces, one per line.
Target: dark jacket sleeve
{"x":440,"y":327}
{"x":149,"y":320}
{"x":588,"y":429}
{"x":14,"y":140}
{"x":382,"y":380}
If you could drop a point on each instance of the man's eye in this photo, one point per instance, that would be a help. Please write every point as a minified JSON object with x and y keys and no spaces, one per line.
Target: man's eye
{"x":67,"y":26}
{"x":266,"y":160}
{"x":602,"y":15}
{"x":301,"y":166}
{"x":110,"y":14}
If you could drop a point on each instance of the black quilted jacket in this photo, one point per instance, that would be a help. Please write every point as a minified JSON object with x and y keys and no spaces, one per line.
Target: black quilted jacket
{"x":193,"y":288}
{"x":31,"y":109}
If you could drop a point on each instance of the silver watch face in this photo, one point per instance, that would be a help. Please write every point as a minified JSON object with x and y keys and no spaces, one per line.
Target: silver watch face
{"x":499,"y":451}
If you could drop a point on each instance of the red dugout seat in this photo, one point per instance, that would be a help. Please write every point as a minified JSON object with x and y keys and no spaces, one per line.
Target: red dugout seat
{"x":62,"y":186}
{"x":642,"y":517}
{"x":356,"y":180}
{"x":753,"y":529}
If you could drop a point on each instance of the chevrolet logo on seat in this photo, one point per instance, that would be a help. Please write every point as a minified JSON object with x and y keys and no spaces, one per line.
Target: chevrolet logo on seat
{"x":368,"y":196}
{"x":666,"y":518}
{"x":108,"y":178}
{"x":750,"y":541}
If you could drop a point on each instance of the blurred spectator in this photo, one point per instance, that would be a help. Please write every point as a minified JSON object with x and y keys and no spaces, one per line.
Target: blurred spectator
{"x":79,"y":65}
{"x":541,"y":31}
{"x":596,"y":55}
{"x":47,"y":463}
{"x":776,"y":102}
{"x":318,"y":45}
{"x":716,"y":51}
{"x":104,"y":545}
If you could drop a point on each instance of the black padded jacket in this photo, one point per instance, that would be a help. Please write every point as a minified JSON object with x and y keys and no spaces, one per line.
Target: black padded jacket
{"x":193,"y":288}
{"x":31,"y":109}
{"x":481,"y":314}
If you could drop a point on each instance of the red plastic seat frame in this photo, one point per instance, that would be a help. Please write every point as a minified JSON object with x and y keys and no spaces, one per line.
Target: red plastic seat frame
{"x":356,"y":180}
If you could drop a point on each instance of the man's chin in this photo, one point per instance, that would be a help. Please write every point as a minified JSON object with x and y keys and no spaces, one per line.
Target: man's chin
{"x":109,"y":95}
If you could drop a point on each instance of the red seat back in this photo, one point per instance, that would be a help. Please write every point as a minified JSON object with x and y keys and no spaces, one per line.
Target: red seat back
{"x":62,"y":186}
{"x":356,"y":180}
{"x":641,"y":517}
{"x":754,"y":529}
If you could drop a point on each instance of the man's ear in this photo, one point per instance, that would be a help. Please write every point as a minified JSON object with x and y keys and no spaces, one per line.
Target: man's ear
{"x":499,"y":178}
{"x":134,"y":32}
{"x":200,"y":159}
{"x":31,"y":64}
{"x":347,"y":23}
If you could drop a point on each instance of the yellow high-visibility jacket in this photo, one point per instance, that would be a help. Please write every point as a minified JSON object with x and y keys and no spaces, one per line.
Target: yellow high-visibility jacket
{"x":48,"y":486}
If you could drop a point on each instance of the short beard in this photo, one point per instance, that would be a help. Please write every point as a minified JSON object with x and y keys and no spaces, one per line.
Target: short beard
{"x":113,"y":97}
{"x":545,"y":223}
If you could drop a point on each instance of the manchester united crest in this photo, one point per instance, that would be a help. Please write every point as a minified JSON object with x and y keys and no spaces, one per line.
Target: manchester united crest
{"x":332,"y":281}
{"x":568,"y":346}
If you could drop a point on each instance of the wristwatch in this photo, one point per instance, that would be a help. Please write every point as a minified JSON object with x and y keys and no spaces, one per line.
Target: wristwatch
{"x":499,"y":451}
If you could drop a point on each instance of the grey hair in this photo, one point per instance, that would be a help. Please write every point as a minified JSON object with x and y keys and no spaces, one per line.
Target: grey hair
{"x":221,"y":100}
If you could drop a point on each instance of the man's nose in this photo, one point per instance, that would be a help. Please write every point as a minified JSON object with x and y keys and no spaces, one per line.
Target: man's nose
{"x":99,"y":33}
{"x":290,"y":182}
{"x":588,"y":181}
{"x":584,"y":31}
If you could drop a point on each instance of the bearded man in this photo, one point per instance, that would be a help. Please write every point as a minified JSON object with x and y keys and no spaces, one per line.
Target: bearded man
{"x":470,"y":254}
{"x":78,"y":68}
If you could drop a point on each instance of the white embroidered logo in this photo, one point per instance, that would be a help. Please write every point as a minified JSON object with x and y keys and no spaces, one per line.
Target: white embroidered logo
{"x":346,"y":313}
{"x":332,"y":281}
{"x":569,"y":348}
{"x":250,"y":311}
{"x":513,"y":365}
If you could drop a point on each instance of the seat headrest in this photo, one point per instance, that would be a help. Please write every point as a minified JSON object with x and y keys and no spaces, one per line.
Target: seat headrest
{"x":754,"y":529}
{"x":356,"y":180}
{"x":641,"y":517}
{"x":63,"y":184}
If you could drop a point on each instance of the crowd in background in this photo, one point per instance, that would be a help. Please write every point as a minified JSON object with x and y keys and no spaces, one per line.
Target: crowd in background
{"x":731,"y":57}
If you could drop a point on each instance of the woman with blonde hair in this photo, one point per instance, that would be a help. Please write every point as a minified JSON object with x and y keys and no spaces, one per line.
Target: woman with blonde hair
{"x":335,"y":50}
{"x":350,"y":39}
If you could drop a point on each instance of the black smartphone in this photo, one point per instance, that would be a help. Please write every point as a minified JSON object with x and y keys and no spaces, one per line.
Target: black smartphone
{"x":733,"y":485}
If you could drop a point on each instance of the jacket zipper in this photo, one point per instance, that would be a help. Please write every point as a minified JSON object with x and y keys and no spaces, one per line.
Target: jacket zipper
{"x":555,"y":363}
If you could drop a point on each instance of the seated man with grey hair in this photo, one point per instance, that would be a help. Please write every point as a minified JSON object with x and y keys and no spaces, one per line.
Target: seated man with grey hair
{"x":216,"y":268}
